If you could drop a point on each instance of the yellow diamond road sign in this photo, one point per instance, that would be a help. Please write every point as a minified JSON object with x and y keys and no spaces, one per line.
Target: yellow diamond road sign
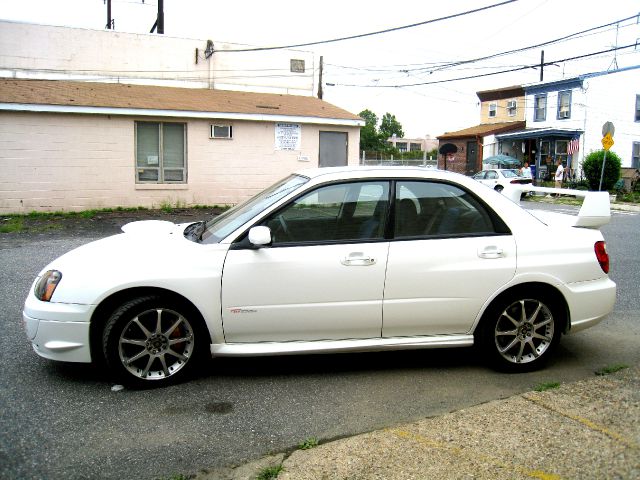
{"x":607,"y":141}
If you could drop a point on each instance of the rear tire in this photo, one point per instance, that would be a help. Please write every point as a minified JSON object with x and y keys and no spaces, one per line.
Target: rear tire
{"x":519,"y":332}
{"x":153,"y":341}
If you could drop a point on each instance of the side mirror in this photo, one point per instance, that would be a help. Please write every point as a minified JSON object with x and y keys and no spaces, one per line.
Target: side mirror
{"x":260,"y":236}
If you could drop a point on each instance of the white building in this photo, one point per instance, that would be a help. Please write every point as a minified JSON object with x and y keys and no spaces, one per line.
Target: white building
{"x":94,"y":119}
{"x":576,"y":109}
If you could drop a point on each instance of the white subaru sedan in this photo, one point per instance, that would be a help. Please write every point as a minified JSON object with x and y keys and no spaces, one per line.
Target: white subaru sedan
{"x":329,"y":260}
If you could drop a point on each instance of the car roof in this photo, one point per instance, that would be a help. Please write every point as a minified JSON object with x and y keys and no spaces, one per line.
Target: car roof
{"x":340,"y":173}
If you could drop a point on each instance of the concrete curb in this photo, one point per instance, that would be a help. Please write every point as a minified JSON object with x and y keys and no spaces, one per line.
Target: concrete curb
{"x":587,"y":429}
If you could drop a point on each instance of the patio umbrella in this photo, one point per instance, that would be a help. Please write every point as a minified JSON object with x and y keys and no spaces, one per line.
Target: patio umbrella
{"x":502,"y":161}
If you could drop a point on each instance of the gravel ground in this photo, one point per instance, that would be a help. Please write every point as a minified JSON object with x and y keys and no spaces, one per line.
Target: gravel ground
{"x":94,"y":225}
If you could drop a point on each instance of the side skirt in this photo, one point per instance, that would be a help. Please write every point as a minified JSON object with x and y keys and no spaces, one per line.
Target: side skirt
{"x":338,"y":346}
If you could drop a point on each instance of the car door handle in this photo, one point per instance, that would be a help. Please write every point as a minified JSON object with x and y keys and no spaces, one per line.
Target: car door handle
{"x":357,"y":259}
{"x":491,"y":252}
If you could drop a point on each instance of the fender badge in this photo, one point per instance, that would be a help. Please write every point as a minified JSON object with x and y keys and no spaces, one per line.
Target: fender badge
{"x":242,"y":310}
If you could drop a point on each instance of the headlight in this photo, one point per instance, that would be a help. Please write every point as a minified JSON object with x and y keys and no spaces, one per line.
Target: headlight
{"x":47,"y":285}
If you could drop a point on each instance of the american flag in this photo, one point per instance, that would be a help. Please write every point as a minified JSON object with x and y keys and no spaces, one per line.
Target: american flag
{"x":574,"y":145}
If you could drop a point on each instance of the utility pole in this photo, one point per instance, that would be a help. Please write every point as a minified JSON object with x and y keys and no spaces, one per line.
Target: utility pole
{"x":320,"y":80}
{"x":542,"y":65}
{"x":110,"y":22}
{"x":159,"y":24}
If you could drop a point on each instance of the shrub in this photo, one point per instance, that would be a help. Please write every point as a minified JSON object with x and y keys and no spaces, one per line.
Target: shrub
{"x":592,"y":168}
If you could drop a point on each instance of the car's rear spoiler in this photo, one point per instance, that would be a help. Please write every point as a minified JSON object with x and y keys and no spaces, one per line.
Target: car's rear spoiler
{"x":594,"y":213}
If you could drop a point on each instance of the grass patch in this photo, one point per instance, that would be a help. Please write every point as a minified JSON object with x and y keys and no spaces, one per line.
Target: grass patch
{"x":12,"y":225}
{"x":269,"y":473}
{"x":608,"y":370}
{"x":308,"y":443}
{"x":543,"y":387}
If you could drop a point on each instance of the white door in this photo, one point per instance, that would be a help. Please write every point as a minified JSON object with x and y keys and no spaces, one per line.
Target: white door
{"x":445,"y":262}
{"x":323,"y":276}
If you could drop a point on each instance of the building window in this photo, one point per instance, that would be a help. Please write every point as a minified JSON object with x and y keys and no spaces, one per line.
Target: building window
{"x":161,"y":152}
{"x":221,"y":131}
{"x":297,"y":66}
{"x":637,"y":108}
{"x":512,"y":108}
{"x":401,"y":146}
{"x":564,"y":104}
{"x":635,"y":155}
{"x":493,"y":109}
{"x":540,"y":108}
{"x":562,"y":151}
{"x":415,"y":147}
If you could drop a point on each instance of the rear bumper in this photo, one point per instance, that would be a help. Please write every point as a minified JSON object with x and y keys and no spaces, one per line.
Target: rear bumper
{"x":590,"y":302}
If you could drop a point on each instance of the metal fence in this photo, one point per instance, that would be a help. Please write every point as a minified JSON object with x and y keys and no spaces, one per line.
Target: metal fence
{"x":407,"y":159}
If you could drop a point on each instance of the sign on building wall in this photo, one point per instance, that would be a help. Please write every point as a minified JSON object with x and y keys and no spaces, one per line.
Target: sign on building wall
{"x":288,"y":136}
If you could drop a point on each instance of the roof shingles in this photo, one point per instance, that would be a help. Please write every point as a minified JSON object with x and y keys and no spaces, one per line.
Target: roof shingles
{"x":151,"y":97}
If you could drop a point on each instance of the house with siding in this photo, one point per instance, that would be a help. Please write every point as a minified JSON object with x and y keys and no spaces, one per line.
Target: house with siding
{"x":564,"y":120}
{"x":68,"y":145}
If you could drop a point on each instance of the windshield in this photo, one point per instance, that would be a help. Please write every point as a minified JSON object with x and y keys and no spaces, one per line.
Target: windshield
{"x":223,"y":225}
{"x":511,"y":173}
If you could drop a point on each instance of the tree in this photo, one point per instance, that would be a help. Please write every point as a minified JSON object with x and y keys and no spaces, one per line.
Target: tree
{"x":592,"y":168}
{"x":374,"y":139}
{"x":371,"y":139}
{"x":390,"y":126}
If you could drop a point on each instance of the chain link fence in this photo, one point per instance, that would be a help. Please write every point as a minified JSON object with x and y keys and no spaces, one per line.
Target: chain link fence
{"x":403,"y":159}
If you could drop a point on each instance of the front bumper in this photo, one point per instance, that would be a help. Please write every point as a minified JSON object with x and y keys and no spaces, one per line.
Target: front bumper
{"x":58,"y":331}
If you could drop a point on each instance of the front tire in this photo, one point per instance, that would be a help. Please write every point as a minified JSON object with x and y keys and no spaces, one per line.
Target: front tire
{"x":520,"y":332}
{"x":152,"y":341}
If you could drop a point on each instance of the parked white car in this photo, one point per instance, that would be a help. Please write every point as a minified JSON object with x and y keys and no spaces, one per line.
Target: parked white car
{"x":328,"y":260}
{"x":501,"y":178}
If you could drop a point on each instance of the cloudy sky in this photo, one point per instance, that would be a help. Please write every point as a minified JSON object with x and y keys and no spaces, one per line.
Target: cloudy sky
{"x":407,"y":72}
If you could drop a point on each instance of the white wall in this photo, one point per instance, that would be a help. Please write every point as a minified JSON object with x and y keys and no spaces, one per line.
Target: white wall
{"x":612,"y":98}
{"x":52,"y":162}
{"x":50,"y":52}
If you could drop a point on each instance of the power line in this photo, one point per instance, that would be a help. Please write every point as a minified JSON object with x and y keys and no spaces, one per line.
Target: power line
{"x":526,"y":67}
{"x":437,"y":66}
{"x":363,"y":35}
{"x":518,"y":50}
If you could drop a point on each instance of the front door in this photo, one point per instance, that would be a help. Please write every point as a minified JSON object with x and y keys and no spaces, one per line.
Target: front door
{"x":322,"y":278}
{"x":472,"y":158}
{"x":333,"y":149}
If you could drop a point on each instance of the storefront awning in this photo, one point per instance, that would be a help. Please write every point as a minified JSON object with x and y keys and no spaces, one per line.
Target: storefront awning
{"x":540,"y":133}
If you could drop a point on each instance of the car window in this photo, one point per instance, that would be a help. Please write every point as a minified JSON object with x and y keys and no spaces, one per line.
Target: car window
{"x":438,"y":209}
{"x":341,"y":212}
{"x":479,"y":175}
{"x":510,"y":173}
{"x":492,"y":175}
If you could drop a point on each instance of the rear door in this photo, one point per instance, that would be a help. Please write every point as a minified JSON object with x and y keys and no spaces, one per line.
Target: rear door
{"x":444,"y":262}
{"x":323,"y":276}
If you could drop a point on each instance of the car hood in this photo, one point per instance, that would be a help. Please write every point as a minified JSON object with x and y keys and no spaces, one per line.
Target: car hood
{"x":151,"y":227}
{"x":147,"y":254}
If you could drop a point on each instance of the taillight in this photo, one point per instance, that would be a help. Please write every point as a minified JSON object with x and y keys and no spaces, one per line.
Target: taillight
{"x":602,"y":256}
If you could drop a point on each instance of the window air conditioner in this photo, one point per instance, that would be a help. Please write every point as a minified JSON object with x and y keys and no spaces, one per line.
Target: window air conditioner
{"x":221,"y":131}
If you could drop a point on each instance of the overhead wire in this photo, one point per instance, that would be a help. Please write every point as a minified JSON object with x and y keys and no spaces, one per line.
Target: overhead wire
{"x":364,"y":35}
{"x":491,"y":73}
